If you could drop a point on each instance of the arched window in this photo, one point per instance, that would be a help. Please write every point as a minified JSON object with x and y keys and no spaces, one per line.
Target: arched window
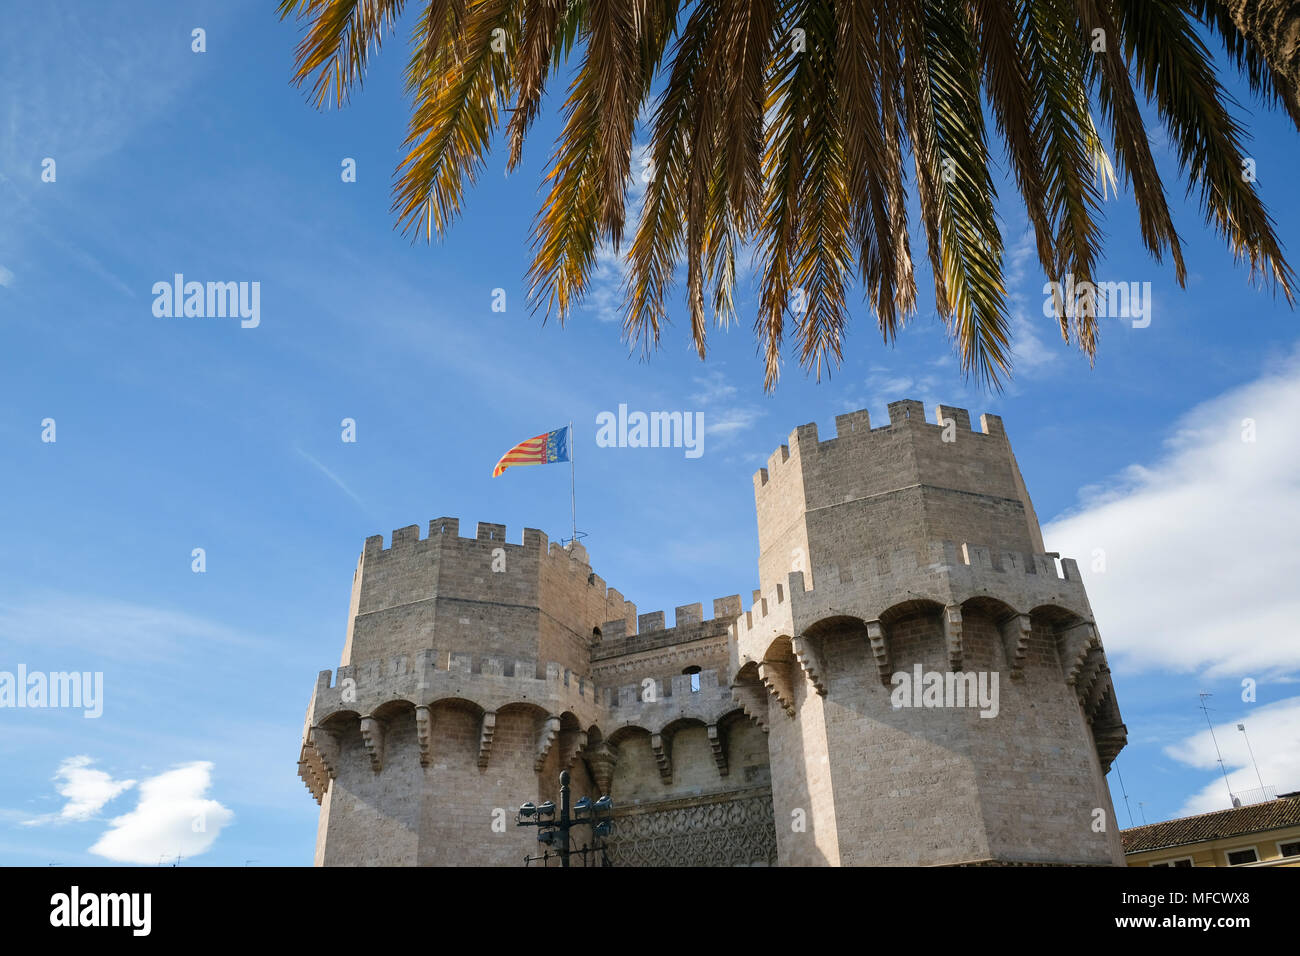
{"x":694,"y":672}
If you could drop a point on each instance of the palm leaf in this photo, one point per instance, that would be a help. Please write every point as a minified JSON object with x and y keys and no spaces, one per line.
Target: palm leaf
{"x":337,"y":45}
{"x":1174,"y":68}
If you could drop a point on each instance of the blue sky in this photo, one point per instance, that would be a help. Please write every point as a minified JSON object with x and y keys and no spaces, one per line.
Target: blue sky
{"x":177,"y":434}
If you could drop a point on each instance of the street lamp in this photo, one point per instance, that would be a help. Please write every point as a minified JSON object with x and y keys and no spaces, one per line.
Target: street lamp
{"x":555,"y":832}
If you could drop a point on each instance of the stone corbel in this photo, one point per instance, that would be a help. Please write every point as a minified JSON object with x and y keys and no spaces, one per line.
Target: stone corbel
{"x":775,"y":676}
{"x":601,"y":761}
{"x":372,"y":736}
{"x":952,"y":631}
{"x":1074,"y":643}
{"x":575,"y":741}
{"x":808,"y":653}
{"x":879,"y":650}
{"x":423,"y":732}
{"x":1016,"y":632}
{"x":550,"y":730}
{"x":752,"y":699}
{"x":1100,"y":688}
{"x":1110,"y":736}
{"x":719,"y":750}
{"x":1089,"y":673}
{"x":662,"y":749}
{"x":487,"y":730}
{"x":325,"y":745}
{"x":311,"y":776}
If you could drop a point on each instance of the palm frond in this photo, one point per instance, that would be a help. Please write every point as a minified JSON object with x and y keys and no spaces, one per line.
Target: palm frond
{"x":947,"y":127}
{"x":457,"y":109}
{"x":1003,"y":56}
{"x":592,"y":157}
{"x":1175,"y":69}
{"x":785,"y":152}
{"x":338,"y":41}
{"x":801,"y":151}
{"x":871,"y":152}
{"x":659,"y":239}
{"x":1072,"y":150}
{"x":543,"y":23}
{"x":1250,"y":60}
{"x":822,"y":257}
{"x":1132,"y":147}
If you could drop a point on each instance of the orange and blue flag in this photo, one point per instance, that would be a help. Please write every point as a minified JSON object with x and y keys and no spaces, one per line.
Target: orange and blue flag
{"x":538,"y":450}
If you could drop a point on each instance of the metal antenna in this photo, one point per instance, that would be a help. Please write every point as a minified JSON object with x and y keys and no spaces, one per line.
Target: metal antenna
{"x":1242,"y":728}
{"x":1232,"y":801}
{"x":1123,"y":791}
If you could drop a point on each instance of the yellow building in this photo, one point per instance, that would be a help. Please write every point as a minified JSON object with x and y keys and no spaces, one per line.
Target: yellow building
{"x":1262,"y":834}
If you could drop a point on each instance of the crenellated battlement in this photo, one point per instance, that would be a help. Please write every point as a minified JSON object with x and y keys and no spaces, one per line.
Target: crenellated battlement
{"x":654,"y":704}
{"x":689,"y":624}
{"x":477,"y":669}
{"x":442,"y":531}
{"x":432,"y":674}
{"x":947,"y":574}
{"x":855,"y":428}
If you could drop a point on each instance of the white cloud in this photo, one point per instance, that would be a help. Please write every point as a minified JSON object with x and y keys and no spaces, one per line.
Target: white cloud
{"x":1200,"y":562}
{"x":714,"y":387}
{"x":6,"y":277}
{"x":172,"y":819}
{"x":604,"y":296}
{"x":1029,"y":353}
{"x":1273,"y":730}
{"x":930,"y":389}
{"x":87,"y":791}
{"x":723,"y":418}
{"x":114,"y":629}
{"x":730,"y":421}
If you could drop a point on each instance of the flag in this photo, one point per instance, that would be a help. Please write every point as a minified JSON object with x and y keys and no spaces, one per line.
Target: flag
{"x":538,"y":450}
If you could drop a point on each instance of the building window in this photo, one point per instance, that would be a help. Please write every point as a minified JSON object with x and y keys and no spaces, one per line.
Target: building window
{"x":1289,"y":849}
{"x":694,"y":673}
{"x":1182,"y":861}
{"x":1241,"y":857}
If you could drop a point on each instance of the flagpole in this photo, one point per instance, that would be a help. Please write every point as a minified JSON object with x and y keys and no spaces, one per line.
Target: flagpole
{"x":573,"y":494}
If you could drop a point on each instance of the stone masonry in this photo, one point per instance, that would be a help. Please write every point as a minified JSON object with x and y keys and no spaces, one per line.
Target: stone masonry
{"x":904,"y":556}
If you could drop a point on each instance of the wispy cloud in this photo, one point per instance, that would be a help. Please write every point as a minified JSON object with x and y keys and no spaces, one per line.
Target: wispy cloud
{"x":1030,"y":355}
{"x":6,"y":277}
{"x":112,"y":628}
{"x":1187,"y":544}
{"x":87,"y":791}
{"x":334,"y":478}
{"x":885,"y":384}
{"x":724,"y":417}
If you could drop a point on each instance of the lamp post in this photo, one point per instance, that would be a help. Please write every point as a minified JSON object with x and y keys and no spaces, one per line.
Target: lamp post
{"x":556,"y":832}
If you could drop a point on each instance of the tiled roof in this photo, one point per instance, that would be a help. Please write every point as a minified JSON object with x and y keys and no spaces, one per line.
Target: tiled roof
{"x":1270,"y":815}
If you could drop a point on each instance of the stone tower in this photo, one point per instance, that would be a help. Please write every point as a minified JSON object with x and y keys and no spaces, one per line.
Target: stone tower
{"x":914,"y":548}
{"x":475,"y":670}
